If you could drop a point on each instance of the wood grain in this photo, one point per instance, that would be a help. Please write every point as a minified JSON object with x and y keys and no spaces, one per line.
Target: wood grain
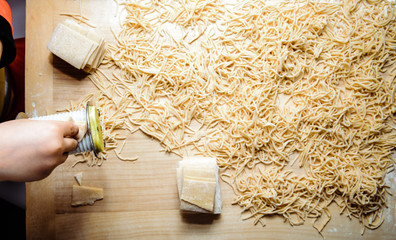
{"x":40,"y":218}
{"x":140,"y":198}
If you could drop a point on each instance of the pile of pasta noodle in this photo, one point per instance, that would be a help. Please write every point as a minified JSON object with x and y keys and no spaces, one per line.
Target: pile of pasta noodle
{"x":295,"y":99}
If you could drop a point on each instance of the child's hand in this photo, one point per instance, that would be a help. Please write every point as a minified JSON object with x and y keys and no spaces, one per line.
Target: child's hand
{"x":31,"y":149}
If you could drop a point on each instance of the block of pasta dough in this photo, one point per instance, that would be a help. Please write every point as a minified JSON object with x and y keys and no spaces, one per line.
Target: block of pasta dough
{"x":80,"y":46}
{"x":201,"y":173}
{"x":97,"y":56}
{"x":199,"y":193}
{"x":87,"y":32}
{"x":70,"y":46}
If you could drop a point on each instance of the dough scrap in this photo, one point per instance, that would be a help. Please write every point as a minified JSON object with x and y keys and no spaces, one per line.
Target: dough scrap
{"x":84,"y":195}
{"x":78,"y":177}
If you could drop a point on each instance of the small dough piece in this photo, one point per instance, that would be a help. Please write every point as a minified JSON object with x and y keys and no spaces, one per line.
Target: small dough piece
{"x":78,"y":178}
{"x":321,"y":221}
{"x":199,"y":193}
{"x":84,"y":195}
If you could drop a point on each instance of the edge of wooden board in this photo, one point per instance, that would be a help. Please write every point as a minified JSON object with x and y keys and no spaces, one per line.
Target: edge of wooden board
{"x":40,"y":218}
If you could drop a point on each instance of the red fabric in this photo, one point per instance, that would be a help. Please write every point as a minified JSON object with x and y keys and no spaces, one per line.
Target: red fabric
{"x":5,"y":12}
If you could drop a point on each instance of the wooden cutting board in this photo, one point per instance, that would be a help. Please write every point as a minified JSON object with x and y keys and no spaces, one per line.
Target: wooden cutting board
{"x":140,"y":197}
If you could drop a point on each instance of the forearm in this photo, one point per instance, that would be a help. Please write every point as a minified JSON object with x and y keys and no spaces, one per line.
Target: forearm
{"x":32,"y":149}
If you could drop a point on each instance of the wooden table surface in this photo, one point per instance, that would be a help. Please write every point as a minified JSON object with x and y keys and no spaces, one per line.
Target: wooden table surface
{"x":140,"y":197}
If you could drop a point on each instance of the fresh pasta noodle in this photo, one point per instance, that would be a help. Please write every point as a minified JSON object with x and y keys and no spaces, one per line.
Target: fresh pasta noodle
{"x":262,"y":86}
